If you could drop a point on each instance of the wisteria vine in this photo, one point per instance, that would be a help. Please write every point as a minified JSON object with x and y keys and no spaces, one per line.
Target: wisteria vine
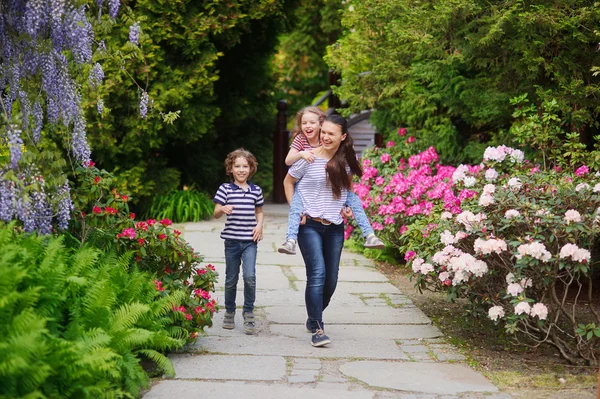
{"x":39,"y":40}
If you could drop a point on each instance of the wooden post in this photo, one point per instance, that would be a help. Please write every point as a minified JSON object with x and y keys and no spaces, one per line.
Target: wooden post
{"x":379,"y":140}
{"x":333,"y":79}
{"x":280,"y":148}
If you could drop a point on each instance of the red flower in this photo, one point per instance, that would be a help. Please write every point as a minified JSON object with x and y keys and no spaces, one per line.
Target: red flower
{"x":201,"y":272}
{"x":199,"y":309}
{"x":448,"y":282}
{"x":162,"y":236}
{"x":97,"y":210}
{"x":141,"y":226}
{"x":159,"y":284}
{"x":125,"y":198}
{"x":168,"y":271}
{"x":150,"y":222}
{"x":177,"y":233}
{"x":138,"y":258}
{"x":91,"y":164}
{"x":194,"y":335}
{"x":188,"y":316}
{"x":211,"y":267}
{"x":96,"y":180}
{"x":141,"y":241}
{"x":166,"y":222}
{"x":411,"y":139}
{"x":129,"y":233}
{"x":132,"y":215}
{"x":110,"y":211}
{"x":402,"y":131}
{"x":83,"y":214}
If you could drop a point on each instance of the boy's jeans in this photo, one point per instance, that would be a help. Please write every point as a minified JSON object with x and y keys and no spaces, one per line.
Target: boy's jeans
{"x":352,"y":201}
{"x":236,"y":253}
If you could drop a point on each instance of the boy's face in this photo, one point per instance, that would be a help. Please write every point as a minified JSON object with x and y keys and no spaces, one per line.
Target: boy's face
{"x":240,"y":170}
{"x":310,"y":125}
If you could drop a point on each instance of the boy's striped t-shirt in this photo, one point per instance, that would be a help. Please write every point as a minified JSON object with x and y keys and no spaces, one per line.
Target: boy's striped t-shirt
{"x":316,"y":193}
{"x":241,"y":222}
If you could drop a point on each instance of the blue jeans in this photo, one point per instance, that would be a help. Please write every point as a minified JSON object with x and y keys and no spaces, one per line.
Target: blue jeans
{"x":352,"y":201}
{"x":236,"y":253}
{"x":321,"y":248}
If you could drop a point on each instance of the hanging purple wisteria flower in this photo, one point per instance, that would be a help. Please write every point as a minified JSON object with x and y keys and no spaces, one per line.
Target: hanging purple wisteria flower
{"x":15,"y":143}
{"x":134,"y":33}
{"x":144,"y":105}
{"x":96,"y":75}
{"x":100,"y":106}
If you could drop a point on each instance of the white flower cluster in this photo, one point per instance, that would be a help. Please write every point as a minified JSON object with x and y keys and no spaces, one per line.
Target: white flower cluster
{"x":512,"y":213}
{"x":500,"y":153}
{"x":448,"y":238}
{"x":491,"y":175}
{"x":469,"y":219}
{"x":538,"y":310}
{"x":536,"y":250}
{"x":572,"y":216}
{"x":460,"y":173}
{"x":514,"y":184}
{"x":487,"y":247}
{"x":419,"y":266}
{"x":459,"y":264}
{"x":575,"y":253}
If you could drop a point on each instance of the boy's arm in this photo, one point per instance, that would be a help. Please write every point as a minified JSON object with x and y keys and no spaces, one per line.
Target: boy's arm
{"x":221,"y":210}
{"x":257,"y":233}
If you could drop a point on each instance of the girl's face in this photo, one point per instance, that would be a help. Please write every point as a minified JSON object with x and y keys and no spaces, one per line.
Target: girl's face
{"x":240,"y":170}
{"x":310,"y":125}
{"x":331,"y":136}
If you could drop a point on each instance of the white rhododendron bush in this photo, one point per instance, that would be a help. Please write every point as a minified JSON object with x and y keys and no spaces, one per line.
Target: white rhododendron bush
{"x":517,"y":242}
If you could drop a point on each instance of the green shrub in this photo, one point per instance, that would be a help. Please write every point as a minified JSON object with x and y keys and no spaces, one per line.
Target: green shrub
{"x":182,"y":206}
{"x":77,"y":323}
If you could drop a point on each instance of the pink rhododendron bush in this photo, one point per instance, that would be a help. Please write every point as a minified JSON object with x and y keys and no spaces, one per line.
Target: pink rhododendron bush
{"x":517,"y":242}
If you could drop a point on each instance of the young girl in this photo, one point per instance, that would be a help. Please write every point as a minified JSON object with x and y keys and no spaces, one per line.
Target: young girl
{"x":307,"y":139}
{"x":242,"y":202}
{"x":323,"y":186}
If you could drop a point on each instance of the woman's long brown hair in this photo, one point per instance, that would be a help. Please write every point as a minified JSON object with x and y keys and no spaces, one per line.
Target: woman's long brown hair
{"x":337,"y":175}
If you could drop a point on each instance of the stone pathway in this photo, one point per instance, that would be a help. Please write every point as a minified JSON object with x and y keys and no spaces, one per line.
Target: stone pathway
{"x":382,"y":347}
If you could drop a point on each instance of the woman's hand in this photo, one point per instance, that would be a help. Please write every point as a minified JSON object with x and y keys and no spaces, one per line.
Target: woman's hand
{"x":347,"y":212}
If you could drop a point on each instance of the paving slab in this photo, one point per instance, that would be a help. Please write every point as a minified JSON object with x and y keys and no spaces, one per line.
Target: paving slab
{"x":350,"y":315}
{"x":432,"y":378}
{"x":218,"y":367}
{"x":357,"y":332}
{"x":222,"y":390}
{"x":300,"y":347}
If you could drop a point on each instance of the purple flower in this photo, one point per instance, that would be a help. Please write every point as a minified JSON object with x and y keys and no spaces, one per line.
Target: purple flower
{"x":100,"y":106}
{"x":64,"y":206}
{"x":144,"y":105}
{"x":96,"y":75}
{"x":113,"y":8}
{"x":582,"y":171}
{"x":15,"y":143}
{"x":134,"y":33}
{"x":38,"y":118}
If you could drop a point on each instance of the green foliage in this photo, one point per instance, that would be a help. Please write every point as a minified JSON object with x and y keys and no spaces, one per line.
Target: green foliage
{"x":447,"y":70}
{"x":179,"y":63}
{"x":299,"y":66}
{"x":77,"y":323}
{"x":102,"y":218}
{"x":182,"y":206}
{"x":541,"y":132}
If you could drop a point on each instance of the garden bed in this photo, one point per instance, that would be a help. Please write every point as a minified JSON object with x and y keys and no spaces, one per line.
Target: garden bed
{"x":537,"y":373}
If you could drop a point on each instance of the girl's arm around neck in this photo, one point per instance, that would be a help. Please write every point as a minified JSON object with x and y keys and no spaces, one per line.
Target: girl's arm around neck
{"x":292,"y":156}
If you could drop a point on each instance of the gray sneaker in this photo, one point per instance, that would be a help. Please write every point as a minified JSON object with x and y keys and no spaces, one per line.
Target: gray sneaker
{"x":373,"y":242}
{"x":288,"y":247}
{"x":229,"y":321}
{"x":249,"y":323}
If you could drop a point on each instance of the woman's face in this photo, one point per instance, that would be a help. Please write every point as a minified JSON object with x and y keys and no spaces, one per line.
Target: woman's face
{"x":331,"y":136}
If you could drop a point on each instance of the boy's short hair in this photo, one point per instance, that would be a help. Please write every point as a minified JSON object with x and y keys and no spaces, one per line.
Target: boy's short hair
{"x":240,"y":152}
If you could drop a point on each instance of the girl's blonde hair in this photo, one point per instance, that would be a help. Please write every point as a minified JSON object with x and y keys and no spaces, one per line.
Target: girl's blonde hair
{"x":311,"y":109}
{"x":240,"y":153}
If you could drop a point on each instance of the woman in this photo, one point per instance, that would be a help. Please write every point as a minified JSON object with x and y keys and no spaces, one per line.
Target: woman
{"x":323,"y":186}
